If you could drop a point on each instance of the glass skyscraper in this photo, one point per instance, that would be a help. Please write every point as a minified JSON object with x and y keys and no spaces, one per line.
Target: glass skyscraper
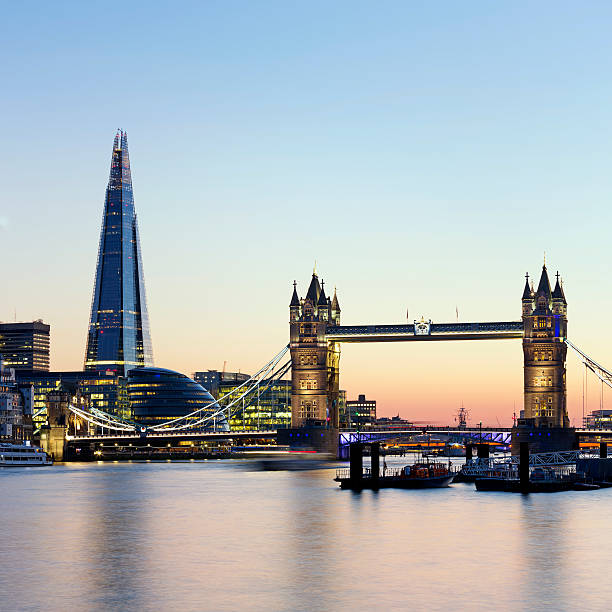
{"x":119,"y":337}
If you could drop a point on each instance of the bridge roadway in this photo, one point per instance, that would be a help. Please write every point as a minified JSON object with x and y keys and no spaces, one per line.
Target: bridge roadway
{"x":487,"y":434}
{"x":425,"y":331}
{"x":175,"y":436}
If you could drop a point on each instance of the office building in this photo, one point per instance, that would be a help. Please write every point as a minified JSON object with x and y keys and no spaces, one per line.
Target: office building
{"x":25,"y":346}
{"x":270,"y":410}
{"x":118,"y":337}
{"x":16,"y":401}
{"x":213,"y":380}
{"x":361,"y":412}
{"x":157,"y":395}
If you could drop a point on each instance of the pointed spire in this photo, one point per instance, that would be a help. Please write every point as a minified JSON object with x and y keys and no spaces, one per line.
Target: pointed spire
{"x":558,"y":293}
{"x":544,"y":284}
{"x":322,"y":299}
{"x":295,"y":300}
{"x":335,"y":305}
{"x":527,"y":291}
{"x":314,"y":290}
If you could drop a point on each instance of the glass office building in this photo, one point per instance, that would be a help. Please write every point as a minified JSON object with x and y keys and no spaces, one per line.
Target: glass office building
{"x":157,"y":395}
{"x":119,"y":337}
{"x":270,"y":409}
{"x":103,"y":390}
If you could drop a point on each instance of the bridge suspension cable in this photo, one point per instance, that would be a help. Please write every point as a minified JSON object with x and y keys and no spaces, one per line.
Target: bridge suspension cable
{"x":270,"y":372}
{"x":604,"y":375}
{"x":260,"y":381}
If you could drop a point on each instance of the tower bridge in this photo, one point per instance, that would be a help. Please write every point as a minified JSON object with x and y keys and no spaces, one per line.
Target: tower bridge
{"x":316,"y":335}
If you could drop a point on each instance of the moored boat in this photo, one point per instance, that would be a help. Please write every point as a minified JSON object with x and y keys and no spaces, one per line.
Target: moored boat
{"x":22,"y":455}
{"x":422,"y":475}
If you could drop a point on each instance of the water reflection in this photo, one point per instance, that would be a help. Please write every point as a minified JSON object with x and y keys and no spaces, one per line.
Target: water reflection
{"x":205,"y":536}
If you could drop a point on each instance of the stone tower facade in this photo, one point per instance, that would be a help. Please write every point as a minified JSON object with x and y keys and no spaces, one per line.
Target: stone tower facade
{"x":544,"y":353}
{"x":315,"y":362}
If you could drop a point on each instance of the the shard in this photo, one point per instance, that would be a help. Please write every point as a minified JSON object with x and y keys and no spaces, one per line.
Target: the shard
{"x":119,"y":337}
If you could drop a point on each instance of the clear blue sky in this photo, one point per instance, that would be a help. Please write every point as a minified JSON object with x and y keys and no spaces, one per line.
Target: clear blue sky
{"x":426,"y":154}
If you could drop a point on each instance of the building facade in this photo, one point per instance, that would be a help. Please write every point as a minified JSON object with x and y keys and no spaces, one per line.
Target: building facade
{"x":361,"y":412}
{"x":214,"y":380}
{"x":118,"y":338}
{"x":314,"y":360}
{"x":102,"y":390}
{"x":25,"y":346}
{"x":544,"y":352}
{"x":157,"y":395}
{"x":598,"y":419}
{"x":16,"y":402}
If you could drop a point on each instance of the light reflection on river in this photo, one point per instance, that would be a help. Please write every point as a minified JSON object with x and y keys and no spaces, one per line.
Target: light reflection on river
{"x":211,"y":536}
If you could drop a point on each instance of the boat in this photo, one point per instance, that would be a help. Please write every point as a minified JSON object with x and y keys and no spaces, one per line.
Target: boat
{"x":22,"y":455}
{"x":421,"y":475}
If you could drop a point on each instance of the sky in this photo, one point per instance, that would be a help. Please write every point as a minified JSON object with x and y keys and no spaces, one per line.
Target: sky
{"x":426,"y":155}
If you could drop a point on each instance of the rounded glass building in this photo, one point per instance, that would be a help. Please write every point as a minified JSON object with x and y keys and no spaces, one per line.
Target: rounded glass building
{"x":157,"y":395}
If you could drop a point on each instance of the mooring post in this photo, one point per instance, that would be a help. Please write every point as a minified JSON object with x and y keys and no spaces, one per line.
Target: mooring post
{"x":524,"y":467}
{"x":356,"y":463}
{"x":469,"y":450}
{"x":483,"y":451}
{"x":375,"y":460}
{"x":603,"y":450}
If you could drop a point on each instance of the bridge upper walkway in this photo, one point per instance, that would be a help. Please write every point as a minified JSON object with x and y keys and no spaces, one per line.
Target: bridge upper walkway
{"x":425,"y":331}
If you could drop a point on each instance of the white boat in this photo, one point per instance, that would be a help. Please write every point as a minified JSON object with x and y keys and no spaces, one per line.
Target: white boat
{"x":23,"y":455}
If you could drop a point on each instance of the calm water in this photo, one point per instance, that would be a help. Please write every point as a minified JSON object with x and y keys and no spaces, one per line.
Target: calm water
{"x":211,"y":536}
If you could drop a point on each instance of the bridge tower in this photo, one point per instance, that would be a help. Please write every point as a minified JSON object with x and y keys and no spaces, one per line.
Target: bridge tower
{"x":315,"y":362}
{"x":544,"y":353}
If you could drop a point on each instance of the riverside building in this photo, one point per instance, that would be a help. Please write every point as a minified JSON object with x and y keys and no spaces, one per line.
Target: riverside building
{"x":271,"y":410}
{"x":361,"y":412}
{"x":157,"y":395}
{"x":25,"y":346}
{"x":16,"y":401}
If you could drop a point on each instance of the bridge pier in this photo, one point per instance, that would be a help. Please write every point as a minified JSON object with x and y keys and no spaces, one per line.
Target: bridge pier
{"x":53,"y":441}
{"x":320,"y":439}
{"x":542,"y":439}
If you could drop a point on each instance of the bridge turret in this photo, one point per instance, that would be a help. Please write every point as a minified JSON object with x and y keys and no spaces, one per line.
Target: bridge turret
{"x":527,"y":298}
{"x":543,"y":295}
{"x":335,"y":309}
{"x":294,"y":306}
{"x":322,"y":304}
{"x":559,"y":305}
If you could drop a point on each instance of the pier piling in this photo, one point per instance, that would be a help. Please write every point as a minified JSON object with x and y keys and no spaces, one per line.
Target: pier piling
{"x":375,"y":460}
{"x":524,"y":467}
{"x":482,"y":451}
{"x":356,"y":463}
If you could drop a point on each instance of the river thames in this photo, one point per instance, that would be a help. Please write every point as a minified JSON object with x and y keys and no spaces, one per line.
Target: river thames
{"x":216,"y":536}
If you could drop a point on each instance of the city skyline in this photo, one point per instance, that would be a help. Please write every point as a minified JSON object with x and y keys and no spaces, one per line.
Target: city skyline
{"x":428,"y":190}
